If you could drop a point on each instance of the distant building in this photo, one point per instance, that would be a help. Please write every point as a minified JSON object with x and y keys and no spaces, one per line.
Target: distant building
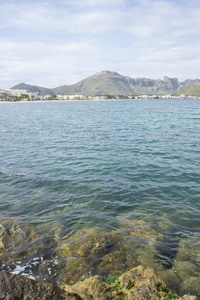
{"x":17,"y":92}
{"x":72,"y":97}
{"x":3,"y":95}
{"x":34,"y":96}
{"x":100,"y":98}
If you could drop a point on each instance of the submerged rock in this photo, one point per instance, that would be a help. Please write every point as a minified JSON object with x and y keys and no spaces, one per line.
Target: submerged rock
{"x":140,"y":229}
{"x":89,"y":252}
{"x":78,"y":255}
{"x":140,"y":241}
{"x":187,"y":265}
{"x":23,"y":248}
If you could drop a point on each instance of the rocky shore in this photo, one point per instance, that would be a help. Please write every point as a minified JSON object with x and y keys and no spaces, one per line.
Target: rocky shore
{"x":139,"y":283}
{"x":126,"y":263}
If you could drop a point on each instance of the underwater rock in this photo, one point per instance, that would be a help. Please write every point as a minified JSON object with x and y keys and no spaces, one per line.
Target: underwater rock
{"x":139,"y":229}
{"x":22,"y":248}
{"x":187,"y":265}
{"x":164,"y":222}
{"x":167,"y":250}
{"x":92,"y":252}
{"x":140,"y":242}
{"x":191,"y":286}
{"x":78,"y":255}
{"x":171,"y":279}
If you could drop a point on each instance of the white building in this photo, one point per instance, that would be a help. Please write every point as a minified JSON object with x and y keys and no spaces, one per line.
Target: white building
{"x":17,"y":92}
{"x":72,"y":97}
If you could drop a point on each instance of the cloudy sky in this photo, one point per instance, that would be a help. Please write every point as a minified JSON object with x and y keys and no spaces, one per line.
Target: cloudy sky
{"x":56,"y":42}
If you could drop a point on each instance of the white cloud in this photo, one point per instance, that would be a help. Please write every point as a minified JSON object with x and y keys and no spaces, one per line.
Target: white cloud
{"x":46,"y":63}
{"x":96,"y":3}
{"x":60,"y":42}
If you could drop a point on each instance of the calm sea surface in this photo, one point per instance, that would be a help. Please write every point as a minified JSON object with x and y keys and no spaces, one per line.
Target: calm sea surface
{"x":82,"y":164}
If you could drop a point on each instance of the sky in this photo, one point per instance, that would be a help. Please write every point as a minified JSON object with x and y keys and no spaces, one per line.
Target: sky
{"x":56,"y":42}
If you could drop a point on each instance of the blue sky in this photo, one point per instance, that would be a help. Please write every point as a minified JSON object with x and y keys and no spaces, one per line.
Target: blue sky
{"x":56,"y":42}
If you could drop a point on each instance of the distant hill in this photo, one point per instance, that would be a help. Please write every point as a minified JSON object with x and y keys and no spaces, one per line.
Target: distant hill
{"x":112,"y":83}
{"x":33,"y":89}
{"x":190,"y":89}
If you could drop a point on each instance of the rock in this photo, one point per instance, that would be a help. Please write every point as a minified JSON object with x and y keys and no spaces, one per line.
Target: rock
{"x":14,"y":287}
{"x":139,"y":283}
{"x":139,"y":243}
{"x":188,"y":297}
{"x":140,"y":229}
{"x":143,"y":283}
{"x":171,"y":279}
{"x":187,"y":265}
{"x":89,"y":252}
{"x":91,"y":288}
{"x":22,"y":248}
{"x":164,"y":223}
{"x":190,"y":285}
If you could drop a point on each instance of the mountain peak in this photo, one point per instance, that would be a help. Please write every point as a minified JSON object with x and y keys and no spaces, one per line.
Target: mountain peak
{"x":110,"y":72}
{"x":108,"y":82}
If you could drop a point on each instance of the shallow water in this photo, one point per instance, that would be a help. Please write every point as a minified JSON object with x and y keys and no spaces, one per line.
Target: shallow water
{"x":74,"y":165}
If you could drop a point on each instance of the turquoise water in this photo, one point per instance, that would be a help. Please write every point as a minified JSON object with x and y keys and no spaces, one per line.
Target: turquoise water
{"x":84,"y":163}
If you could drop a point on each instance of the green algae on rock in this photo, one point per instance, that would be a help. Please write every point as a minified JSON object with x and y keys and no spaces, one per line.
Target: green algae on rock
{"x":138,"y":283}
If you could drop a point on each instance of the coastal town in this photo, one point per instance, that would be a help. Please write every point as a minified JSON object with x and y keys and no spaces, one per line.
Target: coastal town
{"x":19,"y":95}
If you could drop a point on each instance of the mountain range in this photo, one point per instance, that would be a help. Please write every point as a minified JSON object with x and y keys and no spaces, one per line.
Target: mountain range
{"x":112,"y":83}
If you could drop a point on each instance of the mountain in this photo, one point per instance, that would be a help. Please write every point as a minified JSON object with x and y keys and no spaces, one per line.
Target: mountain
{"x":190,"y":89}
{"x":33,"y":89}
{"x":112,"y":83}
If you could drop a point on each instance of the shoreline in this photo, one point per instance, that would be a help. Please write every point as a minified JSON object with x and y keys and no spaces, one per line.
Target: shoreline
{"x":138,"y":283}
{"x":100,"y":100}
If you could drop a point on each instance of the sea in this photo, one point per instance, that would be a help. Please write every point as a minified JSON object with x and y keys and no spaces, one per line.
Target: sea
{"x":80,"y":165}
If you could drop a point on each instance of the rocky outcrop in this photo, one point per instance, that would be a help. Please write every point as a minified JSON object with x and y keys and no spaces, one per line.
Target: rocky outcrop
{"x":13,"y":287}
{"x":137,"y":284}
{"x":57,"y":258}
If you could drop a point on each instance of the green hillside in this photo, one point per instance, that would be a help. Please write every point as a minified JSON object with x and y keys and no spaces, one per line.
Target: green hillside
{"x":191,"y":89}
